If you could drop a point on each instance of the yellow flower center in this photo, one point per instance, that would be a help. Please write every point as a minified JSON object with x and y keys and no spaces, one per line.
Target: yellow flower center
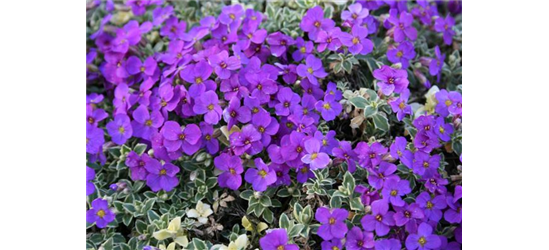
{"x":304,"y":170}
{"x":142,"y":69}
{"x":149,"y":122}
{"x":210,"y":107}
{"x":281,"y":247}
{"x":181,"y":136}
{"x":317,"y":24}
{"x":232,"y":16}
{"x":402,"y":105}
{"x":208,"y":137}
{"x":379,"y":217}
{"x":448,"y":103}
{"x":332,"y":221}
{"x":310,"y":70}
{"x":101,"y":213}
{"x":422,"y":241}
{"x":441,"y":129}
{"x":425,"y":164}
{"x":303,"y":50}
{"x":355,"y":40}
{"x":121,"y":130}
{"x":249,"y":35}
{"x":335,"y":248}
{"x":263,"y":173}
{"x":314,"y":156}
{"x":354,"y":16}
{"x":393,"y":193}
{"x":198,"y":80}
{"x":255,"y":110}
{"x":223,"y":65}
{"x":261,"y":129}
{"x":429,"y":205}
{"x":299,"y":149}
{"x":326,"y":106}
{"x":399,"y":54}
{"x":163,"y":172}
{"x":232,"y":171}
{"x":324,"y":142}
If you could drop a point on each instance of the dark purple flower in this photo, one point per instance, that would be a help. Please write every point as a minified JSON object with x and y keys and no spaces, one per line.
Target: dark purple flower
{"x":173,"y":28}
{"x":402,"y":26}
{"x":445,"y":25}
{"x":345,"y":152}
{"x":120,"y":129}
{"x":279,"y":42}
{"x":334,"y":244}
{"x":398,"y":151}
{"x":380,"y":220}
{"x":436,"y":64}
{"x":311,"y":89}
{"x":424,"y":11}
{"x":100,"y":213}
{"x":315,"y":158}
{"x":453,"y":214}
{"x":394,"y":189}
{"x":402,"y":54}
{"x":355,"y":14}
{"x":436,"y":184}
{"x":443,"y":129}
{"x":255,"y":106}
{"x":313,"y":22}
{"x":288,"y":72}
{"x":359,"y":240}
{"x":332,"y":223}
{"x":432,"y":205}
{"x":367,"y":196}
{"x":266,"y":125}
{"x":303,"y":49}
{"x":247,"y":140}
{"x":425,"y":141}
{"x":232,"y":170}
{"x":198,"y":75}
{"x":448,"y":103}
{"x":328,"y":39}
{"x":145,"y":123}
{"x":223,"y":64}
{"x":408,"y":215}
{"x":137,"y":163}
{"x":212,"y":144}
{"x":425,"y":165}
{"x":304,"y":174}
{"x":95,"y":138}
{"x":312,"y":69}
{"x":224,"y":35}
{"x":287,"y":101}
{"x":208,"y":104}
{"x":370,"y":155}
{"x":379,"y":176}
{"x":357,"y":41}
{"x":388,"y":244}
{"x":276,"y":239}
{"x":391,"y":79}
{"x":235,"y":113}
{"x":90,"y":175}
{"x":282,"y":174}
{"x":400,"y":105}
{"x":424,"y":239}
{"x":95,"y":115}
{"x":175,"y":138}
{"x":329,"y":108}
{"x":162,"y":177}
{"x":261,"y":176}
{"x":138,"y":6}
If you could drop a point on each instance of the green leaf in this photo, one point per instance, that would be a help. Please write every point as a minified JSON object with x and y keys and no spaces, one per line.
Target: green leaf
{"x":370,"y":111}
{"x":284,"y":222}
{"x":265,"y":201}
{"x":268,"y":216}
{"x":140,"y":148}
{"x":129,"y":207}
{"x":108,"y":244}
{"x":358,"y":102}
{"x":335,"y":202}
{"x":381,"y":122}
{"x":127,"y":219}
{"x":152,"y":215}
{"x":349,"y":182}
{"x":356,"y":204}
{"x":246,"y":194}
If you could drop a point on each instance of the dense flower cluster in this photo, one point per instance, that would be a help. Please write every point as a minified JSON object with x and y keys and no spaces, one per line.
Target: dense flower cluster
{"x":259,"y":103}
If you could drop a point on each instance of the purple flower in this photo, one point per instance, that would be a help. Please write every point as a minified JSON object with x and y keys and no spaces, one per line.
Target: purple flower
{"x":251,"y":34}
{"x":248,"y":140}
{"x":303,"y":49}
{"x":432,"y":205}
{"x":198,"y":75}
{"x":137,"y":164}
{"x":266,"y":125}
{"x":162,"y":177}
{"x":235,"y":113}
{"x":425,"y":165}
{"x":334,"y":244}
{"x":436,"y":64}
{"x":399,"y":105}
{"x":313,"y":22}
{"x":120,"y":129}
{"x":448,"y":101}
{"x":358,"y":240}
{"x":208,"y":104}
{"x":143,"y":96}
{"x":95,"y":139}
{"x":398,"y":151}
{"x":312,"y":69}
{"x":331,"y":89}
{"x":388,"y":244}
{"x":443,"y":129}
{"x":287,"y":101}
{"x":261,"y":86}
{"x":357,"y":41}
{"x":370,"y":155}
{"x":304,"y":174}
{"x":282,"y":174}
{"x":232,"y":170}
{"x":424,"y":12}
{"x":367,"y":196}
{"x":279,"y":42}
{"x":402,"y":26}
{"x":223,"y":64}
{"x":332,"y":223}
{"x":100,"y":213}
{"x":424,"y":239}
{"x":436,"y":184}
{"x":384,"y":173}
{"x":161,"y":14}
{"x":457,"y":193}
{"x":345,"y":152}
{"x":408,"y":215}
{"x":90,"y":175}
{"x":255,"y":106}
{"x":95,"y":115}
{"x":134,"y":66}
{"x":314,"y":157}
{"x":276,"y":239}
{"x":231,"y":88}
{"x":145,"y":123}
{"x":402,"y":54}
{"x":173,"y":28}
{"x":391,"y":79}
{"x":231,"y":14}
{"x":328,"y":39}
{"x":175,"y":138}
{"x":212,"y":144}
{"x":425,"y":141}
{"x":288,"y":72}
{"x":394,"y":189}
{"x":194,"y":35}
{"x":292,"y":146}
{"x":445,"y":25}
{"x":261,"y":176}
{"x":138,"y":6}
{"x":380,"y":220}
{"x":453,"y":214}
{"x":329,"y":108}
{"x":355,"y":14}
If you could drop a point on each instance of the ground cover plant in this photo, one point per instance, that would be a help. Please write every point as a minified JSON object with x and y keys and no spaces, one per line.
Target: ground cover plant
{"x":273,"y":125}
